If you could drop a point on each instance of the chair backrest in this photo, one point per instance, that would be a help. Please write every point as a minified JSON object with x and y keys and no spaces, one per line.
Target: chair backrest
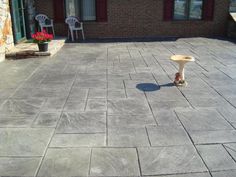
{"x":71,"y":21}
{"x":41,"y":18}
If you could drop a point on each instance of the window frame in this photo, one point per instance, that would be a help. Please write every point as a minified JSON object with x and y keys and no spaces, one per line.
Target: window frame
{"x":187,"y":6}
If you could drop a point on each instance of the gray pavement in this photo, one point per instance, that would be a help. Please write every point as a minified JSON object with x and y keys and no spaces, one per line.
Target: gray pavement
{"x":110,"y":109}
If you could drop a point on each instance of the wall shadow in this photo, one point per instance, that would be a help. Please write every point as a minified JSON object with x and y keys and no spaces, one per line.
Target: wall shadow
{"x":144,"y":39}
{"x":129,"y":39}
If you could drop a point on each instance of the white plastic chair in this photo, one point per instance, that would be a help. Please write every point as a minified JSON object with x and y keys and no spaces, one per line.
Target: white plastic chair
{"x":72,"y":26}
{"x":45,"y":22}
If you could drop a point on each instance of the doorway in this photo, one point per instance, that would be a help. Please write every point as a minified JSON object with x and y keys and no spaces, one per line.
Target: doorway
{"x":18,"y":18}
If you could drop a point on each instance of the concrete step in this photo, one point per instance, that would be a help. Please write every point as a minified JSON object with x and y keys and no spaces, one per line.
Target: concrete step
{"x":30,"y":50}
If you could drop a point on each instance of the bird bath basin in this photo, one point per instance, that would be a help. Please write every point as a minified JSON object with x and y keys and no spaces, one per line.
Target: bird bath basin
{"x":180,"y":76}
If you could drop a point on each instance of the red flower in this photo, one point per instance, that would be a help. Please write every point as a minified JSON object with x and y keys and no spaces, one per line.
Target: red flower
{"x":42,"y":37}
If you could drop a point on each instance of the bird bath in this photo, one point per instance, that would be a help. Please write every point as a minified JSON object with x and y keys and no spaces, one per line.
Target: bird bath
{"x":180,"y":76}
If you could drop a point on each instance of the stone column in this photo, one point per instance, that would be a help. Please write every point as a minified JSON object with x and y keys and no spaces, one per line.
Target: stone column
{"x":6,"y":36}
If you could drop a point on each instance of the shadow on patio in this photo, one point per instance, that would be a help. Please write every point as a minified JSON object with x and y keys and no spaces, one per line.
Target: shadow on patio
{"x":150,"y":87}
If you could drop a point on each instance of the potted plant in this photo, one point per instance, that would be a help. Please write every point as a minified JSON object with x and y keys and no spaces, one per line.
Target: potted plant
{"x":42,"y":39}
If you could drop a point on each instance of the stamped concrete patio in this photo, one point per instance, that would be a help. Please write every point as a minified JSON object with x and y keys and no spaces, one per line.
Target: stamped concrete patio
{"x":110,"y":109}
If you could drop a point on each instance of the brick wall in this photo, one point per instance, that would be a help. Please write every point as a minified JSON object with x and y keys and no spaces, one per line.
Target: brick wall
{"x":6,"y":36}
{"x":144,"y":18}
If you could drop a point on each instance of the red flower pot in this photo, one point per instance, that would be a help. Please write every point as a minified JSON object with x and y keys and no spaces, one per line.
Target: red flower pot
{"x":43,"y":47}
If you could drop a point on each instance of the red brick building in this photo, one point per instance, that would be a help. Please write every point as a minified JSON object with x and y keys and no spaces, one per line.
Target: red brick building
{"x":140,"y":18}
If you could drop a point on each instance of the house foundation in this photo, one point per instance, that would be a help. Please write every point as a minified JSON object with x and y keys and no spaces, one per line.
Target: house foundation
{"x":6,"y":35}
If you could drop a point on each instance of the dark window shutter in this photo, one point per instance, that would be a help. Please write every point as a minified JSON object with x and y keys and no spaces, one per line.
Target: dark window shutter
{"x":59,"y":11}
{"x":101,"y":10}
{"x":208,"y":10}
{"x":168,"y":10}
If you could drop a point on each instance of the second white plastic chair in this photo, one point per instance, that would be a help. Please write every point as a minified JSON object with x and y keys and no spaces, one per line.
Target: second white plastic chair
{"x":74,"y":25}
{"x":42,"y":20}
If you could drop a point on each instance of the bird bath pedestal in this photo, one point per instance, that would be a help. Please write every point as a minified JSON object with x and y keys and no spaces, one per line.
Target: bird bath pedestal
{"x":181,"y":60}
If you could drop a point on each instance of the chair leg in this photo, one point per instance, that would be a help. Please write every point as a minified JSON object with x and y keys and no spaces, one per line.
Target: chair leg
{"x":68,"y":34}
{"x":41,"y":28}
{"x":83,"y":34}
{"x":77,"y":36}
{"x":53,"y":32}
{"x":72,"y":35}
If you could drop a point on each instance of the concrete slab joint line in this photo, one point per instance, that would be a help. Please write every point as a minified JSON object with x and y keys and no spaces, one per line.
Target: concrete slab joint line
{"x":110,"y":109}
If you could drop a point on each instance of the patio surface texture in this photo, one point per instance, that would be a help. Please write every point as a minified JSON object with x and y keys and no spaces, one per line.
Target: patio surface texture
{"x":110,"y":109}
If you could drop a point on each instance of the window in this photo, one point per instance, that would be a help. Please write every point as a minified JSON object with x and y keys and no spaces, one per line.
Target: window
{"x":84,"y":9}
{"x":233,"y":6}
{"x":188,"y":9}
